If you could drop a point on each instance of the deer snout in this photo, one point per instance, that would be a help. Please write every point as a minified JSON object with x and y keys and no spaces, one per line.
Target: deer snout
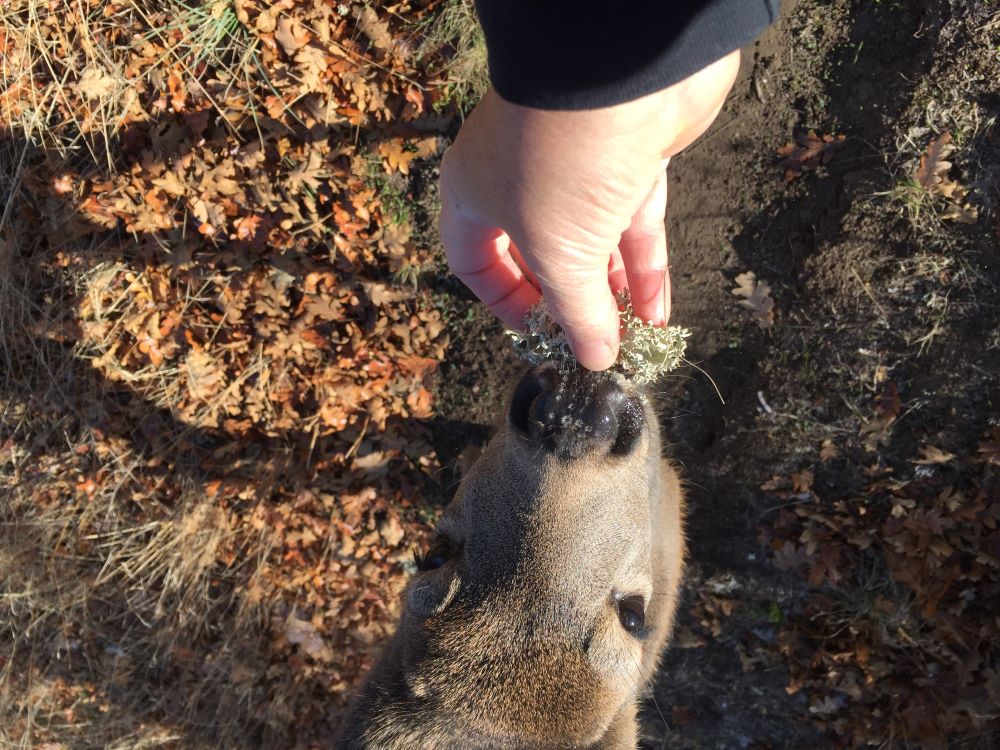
{"x":574,"y":413}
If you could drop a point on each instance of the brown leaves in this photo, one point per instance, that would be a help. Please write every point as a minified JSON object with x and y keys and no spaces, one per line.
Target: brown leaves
{"x":808,"y":152}
{"x":290,"y":34}
{"x":756,"y":297}
{"x":398,"y":153}
{"x":876,"y":431}
{"x":922,"y":553}
{"x":989,"y":449}
{"x":373,"y":27}
{"x":933,"y":176}
{"x":933,"y":167}
{"x":930,"y":455}
{"x":250,"y":325}
{"x":304,"y":633}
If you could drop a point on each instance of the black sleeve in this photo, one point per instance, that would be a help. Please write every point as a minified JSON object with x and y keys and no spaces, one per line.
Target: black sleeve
{"x":580,"y":54}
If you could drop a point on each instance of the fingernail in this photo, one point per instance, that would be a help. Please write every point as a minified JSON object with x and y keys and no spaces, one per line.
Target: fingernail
{"x":660,"y":313}
{"x":595,"y":355}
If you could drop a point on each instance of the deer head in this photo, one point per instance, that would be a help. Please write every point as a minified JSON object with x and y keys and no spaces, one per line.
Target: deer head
{"x":539,"y":614}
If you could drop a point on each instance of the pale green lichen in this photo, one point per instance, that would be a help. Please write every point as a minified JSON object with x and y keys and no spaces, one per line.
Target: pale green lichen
{"x":646,"y":352}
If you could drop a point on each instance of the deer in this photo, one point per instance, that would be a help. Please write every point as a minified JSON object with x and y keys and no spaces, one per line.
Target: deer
{"x":538,"y":615}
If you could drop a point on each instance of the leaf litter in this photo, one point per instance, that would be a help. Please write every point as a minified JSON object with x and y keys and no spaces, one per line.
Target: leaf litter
{"x":223,"y":278}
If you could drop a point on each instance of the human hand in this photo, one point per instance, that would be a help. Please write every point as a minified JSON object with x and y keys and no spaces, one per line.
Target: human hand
{"x":571,"y":204}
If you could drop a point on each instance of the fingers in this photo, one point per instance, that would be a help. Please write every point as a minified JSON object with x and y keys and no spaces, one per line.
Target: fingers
{"x":519,"y":259}
{"x":617,"y":277}
{"x":585,"y":308}
{"x":481,"y":257}
{"x":643,"y":249}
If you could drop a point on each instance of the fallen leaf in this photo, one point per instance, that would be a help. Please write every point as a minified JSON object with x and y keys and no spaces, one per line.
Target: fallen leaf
{"x":962,"y":213}
{"x":828,"y":451}
{"x":204,"y":376}
{"x":95,"y":83}
{"x":791,"y":557}
{"x":932,"y":176}
{"x":304,"y":633}
{"x":876,"y":431}
{"x":290,"y":34}
{"x":827,"y":705}
{"x":990,"y":449}
{"x":756,"y":298}
{"x":808,"y":152}
{"x":803,"y":481}
{"x":373,"y":27}
{"x":933,"y":166}
{"x":397,"y":156}
{"x":391,"y":531}
{"x":930,"y":454}
{"x":380,"y":294}
{"x":246,"y":226}
{"x":887,"y":402}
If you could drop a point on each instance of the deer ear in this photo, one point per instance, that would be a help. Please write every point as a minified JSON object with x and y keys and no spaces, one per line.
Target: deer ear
{"x":467,"y":458}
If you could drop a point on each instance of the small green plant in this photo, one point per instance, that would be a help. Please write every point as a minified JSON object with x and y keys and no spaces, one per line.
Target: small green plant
{"x":913,"y":200}
{"x":396,"y":207}
{"x":407,"y":275}
{"x":646,"y":352}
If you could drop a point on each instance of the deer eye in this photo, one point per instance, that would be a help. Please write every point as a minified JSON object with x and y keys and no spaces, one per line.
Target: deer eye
{"x":438,"y":554}
{"x":632,"y":614}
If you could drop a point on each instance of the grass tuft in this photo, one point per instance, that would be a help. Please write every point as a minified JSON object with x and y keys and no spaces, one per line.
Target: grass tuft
{"x":456,"y":31}
{"x":68,"y":72}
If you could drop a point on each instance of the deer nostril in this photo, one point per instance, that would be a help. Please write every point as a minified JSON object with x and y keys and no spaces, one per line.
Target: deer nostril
{"x":572,"y":414}
{"x":525,"y":395}
{"x":631,"y":418}
{"x":600,"y":420}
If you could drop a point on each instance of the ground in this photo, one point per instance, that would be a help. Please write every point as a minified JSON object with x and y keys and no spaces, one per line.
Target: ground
{"x":209,"y":511}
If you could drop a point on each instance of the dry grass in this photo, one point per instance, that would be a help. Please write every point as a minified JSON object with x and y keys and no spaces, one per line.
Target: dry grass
{"x":68,"y":72}
{"x":140,"y":605}
{"x":91,"y":627}
{"x":117,"y":623}
{"x":457,"y":30}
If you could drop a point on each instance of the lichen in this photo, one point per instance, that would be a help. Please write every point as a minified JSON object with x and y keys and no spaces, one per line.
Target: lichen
{"x":646,"y":352}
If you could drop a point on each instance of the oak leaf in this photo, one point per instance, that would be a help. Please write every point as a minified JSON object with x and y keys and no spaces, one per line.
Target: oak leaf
{"x":304,"y":633}
{"x":95,"y":83}
{"x":932,"y":176}
{"x":373,"y":27}
{"x":756,"y":298}
{"x":204,"y":376}
{"x":396,"y":155}
{"x":930,"y":454}
{"x":789,"y":557}
{"x":808,"y":152}
{"x":290,"y":34}
{"x":990,"y":449}
{"x":933,"y":165}
{"x":391,"y":530}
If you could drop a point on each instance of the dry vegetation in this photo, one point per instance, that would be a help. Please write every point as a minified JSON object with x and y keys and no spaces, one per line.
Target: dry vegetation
{"x":211,"y":438}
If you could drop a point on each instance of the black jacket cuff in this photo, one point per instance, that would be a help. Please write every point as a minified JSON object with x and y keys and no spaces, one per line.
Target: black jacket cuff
{"x":566,"y":54}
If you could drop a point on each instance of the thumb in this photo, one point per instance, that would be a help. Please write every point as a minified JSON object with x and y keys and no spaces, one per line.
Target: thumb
{"x":586,"y":310}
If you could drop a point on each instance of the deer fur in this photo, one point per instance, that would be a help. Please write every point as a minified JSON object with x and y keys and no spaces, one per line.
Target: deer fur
{"x":516,"y":641}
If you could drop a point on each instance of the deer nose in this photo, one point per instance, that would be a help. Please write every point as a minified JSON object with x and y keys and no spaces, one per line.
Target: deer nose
{"x":574,"y":413}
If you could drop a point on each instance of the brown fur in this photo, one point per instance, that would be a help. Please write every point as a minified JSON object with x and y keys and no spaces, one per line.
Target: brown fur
{"x":515,"y":642}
